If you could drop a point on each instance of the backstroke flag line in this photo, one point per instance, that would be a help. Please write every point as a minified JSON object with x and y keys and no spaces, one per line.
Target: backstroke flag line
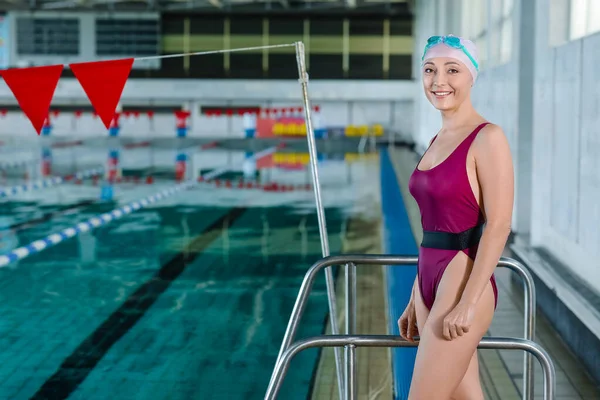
{"x":34,"y":88}
{"x":102,"y":81}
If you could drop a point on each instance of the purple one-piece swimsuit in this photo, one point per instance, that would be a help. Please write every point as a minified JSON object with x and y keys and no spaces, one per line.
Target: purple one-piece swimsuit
{"x":447,"y":204}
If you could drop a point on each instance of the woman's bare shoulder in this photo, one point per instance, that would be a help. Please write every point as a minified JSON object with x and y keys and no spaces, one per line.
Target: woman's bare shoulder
{"x":491,"y":138}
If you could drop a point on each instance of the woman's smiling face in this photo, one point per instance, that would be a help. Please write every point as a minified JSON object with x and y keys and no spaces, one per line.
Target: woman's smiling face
{"x":447,"y":82}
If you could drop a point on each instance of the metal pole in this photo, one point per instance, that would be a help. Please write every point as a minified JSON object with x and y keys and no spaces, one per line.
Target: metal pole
{"x":351,"y":368}
{"x":396,"y":341}
{"x":350,"y":376}
{"x":530,"y":321}
{"x":350,"y":298}
{"x":528,"y":385}
{"x":312,"y":149}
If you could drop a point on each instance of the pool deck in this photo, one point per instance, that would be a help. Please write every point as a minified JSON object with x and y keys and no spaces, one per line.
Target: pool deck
{"x":374,"y":374}
{"x":501,"y":371}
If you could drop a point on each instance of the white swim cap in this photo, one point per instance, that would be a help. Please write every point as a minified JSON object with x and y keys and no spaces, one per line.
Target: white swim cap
{"x":462,"y":50}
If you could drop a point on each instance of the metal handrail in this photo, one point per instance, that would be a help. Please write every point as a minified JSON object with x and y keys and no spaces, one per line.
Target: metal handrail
{"x":373,"y":259}
{"x":351,"y":342}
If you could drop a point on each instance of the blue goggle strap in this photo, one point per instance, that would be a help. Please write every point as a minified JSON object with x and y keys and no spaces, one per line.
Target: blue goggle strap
{"x":434,"y":40}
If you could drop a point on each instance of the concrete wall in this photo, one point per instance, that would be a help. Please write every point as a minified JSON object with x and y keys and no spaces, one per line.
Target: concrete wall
{"x":540,"y":85}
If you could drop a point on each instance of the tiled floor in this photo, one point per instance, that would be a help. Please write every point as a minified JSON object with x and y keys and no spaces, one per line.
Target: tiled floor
{"x":501,"y":371}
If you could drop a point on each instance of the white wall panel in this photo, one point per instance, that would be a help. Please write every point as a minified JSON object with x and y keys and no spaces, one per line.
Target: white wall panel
{"x":589,"y":198}
{"x":335,"y":113}
{"x":370,"y":112}
{"x":544,"y":127}
{"x":565,"y":155}
{"x":403,"y":117}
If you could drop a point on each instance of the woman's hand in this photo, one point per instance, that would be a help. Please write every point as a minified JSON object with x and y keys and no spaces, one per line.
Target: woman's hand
{"x":458,"y":321}
{"x":408,"y":322}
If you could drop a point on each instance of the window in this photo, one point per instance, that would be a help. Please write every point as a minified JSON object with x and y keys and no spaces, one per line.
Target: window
{"x":593,"y":17}
{"x":577,"y":23}
{"x":494,"y":35}
{"x":48,"y":36}
{"x":573,"y":19}
{"x":559,"y":22}
{"x":475,"y":27}
{"x":490,"y":26}
{"x":506,"y":37}
{"x":506,"y":31}
{"x":366,"y":66}
{"x":127,"y":37}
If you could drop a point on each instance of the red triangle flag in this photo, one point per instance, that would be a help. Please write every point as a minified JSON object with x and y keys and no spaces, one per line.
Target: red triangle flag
{"x":33,"y":88}
{"x":103,"y":82}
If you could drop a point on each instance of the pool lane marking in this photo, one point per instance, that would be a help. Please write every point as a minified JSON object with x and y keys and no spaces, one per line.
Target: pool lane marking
{"x":81,"y":362}
{"x":64,"y":210}
{"x":102,"y":219}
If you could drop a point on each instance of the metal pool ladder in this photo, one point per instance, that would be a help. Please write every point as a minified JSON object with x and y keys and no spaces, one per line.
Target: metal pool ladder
{"x":350,"y":341}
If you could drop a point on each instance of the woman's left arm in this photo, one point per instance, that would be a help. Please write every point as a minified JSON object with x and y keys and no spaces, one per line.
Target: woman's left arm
{"x":495,"y":175}
{"x":496,"y":179}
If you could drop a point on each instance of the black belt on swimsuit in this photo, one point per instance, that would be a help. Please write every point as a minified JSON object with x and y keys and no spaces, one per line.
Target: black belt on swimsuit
{"x":452,"y":241}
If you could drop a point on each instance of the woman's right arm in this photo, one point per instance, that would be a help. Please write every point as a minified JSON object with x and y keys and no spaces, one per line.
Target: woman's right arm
{"x":414,"y":288}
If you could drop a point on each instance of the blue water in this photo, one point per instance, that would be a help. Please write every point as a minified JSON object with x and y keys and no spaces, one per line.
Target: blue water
{"x":187,"y":298}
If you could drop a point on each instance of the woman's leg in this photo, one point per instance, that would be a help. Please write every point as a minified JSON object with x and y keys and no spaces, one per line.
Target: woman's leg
{"x":470,"y":386}
{"x":441,"y":364}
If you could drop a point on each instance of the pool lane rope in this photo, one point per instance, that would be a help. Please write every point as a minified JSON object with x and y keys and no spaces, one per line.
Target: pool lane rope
{"x":49,"y":182}
{"x":94,"y":222}
{"x":17,"y":163}
{"x":103,"y":219}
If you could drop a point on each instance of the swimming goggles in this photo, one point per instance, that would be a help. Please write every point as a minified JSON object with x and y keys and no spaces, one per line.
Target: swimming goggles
{"x":451,"y":41}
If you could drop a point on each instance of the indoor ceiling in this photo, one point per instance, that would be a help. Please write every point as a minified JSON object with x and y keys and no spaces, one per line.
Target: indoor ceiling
{"x":397,"y":6}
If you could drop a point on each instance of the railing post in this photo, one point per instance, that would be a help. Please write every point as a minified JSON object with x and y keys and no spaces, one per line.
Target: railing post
{"x":528,"y":381}
{"x":350,"y":376}
{"x":351,"y":367}
{"x":529,"y":311}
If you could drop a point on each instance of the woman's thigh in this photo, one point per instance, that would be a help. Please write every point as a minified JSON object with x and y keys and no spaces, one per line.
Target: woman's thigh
{"x":441,"y":364}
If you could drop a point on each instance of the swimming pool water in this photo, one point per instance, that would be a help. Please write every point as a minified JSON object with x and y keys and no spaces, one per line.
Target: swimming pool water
{"x":187,"y":298}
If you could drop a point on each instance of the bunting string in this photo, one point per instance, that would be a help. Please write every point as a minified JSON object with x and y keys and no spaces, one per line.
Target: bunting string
{"x":102,"y":81}
{"x":200,"y":53}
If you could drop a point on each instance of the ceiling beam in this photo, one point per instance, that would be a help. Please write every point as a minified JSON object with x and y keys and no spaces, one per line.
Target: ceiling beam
{"x":56,"y":5}
{"x":192,"y":5}
{"x":394,"y":7}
